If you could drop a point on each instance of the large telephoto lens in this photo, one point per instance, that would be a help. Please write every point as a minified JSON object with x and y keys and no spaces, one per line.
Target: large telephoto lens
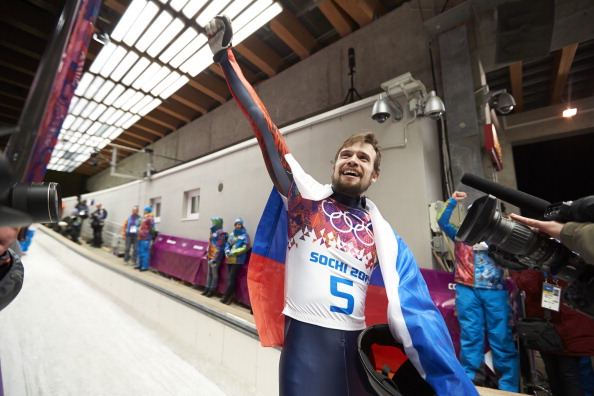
{"x":484,"y":223}
{"x":43,"y":201}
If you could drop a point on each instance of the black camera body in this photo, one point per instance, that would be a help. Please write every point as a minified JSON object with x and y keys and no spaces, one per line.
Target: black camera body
{"x":515,"y":246}
{"x":22,"y":204}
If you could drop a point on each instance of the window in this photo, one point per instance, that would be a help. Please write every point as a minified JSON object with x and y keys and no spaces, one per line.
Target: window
{"x":192,"y":204}
{"x":156,"y":205}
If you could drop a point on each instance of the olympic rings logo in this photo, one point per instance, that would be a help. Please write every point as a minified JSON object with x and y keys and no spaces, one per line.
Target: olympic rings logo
{"x":344,"y":222}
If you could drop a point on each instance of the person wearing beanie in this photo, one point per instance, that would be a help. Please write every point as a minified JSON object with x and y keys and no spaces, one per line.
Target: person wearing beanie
{"x":130,"y":235}
{"x":236,"y":253}
{"x":145,"y":236}
{"x":215,"y":254}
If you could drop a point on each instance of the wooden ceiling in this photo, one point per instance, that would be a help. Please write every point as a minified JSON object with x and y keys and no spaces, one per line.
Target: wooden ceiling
{"x":304,"y":27}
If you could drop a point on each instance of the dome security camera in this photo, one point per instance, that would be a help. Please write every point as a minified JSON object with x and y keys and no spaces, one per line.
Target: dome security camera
{"x":434,"y":107}
{"x":504,"y":103}
{"x":501,"y":101}
{"x":382,"y":110}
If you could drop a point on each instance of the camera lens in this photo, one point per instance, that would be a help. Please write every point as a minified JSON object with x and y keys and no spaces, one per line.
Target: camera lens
{"x":43,"y":201}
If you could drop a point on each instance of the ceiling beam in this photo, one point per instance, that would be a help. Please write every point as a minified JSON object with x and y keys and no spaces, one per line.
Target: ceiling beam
{"x":515,"y":78}
{"x":137,"y":136}
{"x":563,"y":59}
{"x":211,"y":86}
{"x":149,"y":130}
{"x":288,"y":28}
{"x":157,"y":120}
{"x":261,"y":55}
{"x":188,"y":103}
{"x":128,"y":142}
{"x":339,"y":19}
{"x":174,"y":114}
{"x":362,"y":11}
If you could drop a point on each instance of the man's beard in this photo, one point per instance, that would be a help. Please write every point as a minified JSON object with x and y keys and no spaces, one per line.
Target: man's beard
{"x":354,"y":189}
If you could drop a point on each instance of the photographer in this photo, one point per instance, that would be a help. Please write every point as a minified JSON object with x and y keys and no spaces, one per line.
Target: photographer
{"x":11,"y":268}
{"x":577,"y":236}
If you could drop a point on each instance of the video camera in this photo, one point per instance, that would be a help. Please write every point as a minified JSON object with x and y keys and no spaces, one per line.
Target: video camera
{"x":516,"y":247}
{"x":25,"y":203}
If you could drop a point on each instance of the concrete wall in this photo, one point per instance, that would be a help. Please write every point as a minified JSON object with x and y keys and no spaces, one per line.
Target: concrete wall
{"x":409,"y":179}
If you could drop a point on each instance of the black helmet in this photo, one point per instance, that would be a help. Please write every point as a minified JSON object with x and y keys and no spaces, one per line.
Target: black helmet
{"x":406,"y":380}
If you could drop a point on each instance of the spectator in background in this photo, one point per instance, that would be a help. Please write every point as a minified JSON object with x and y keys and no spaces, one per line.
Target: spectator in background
{"x":575,"y":329}
{"x":236,"y":253}
{"x":130,"y":234}
{"x":71,"y":226}
{"x":26,"y":236}
{"x":83,"y":210}
{"x":145,"y":236}
{"x":481,"y":304}
{"x":216,"y":252}
{"x":97,"y":221}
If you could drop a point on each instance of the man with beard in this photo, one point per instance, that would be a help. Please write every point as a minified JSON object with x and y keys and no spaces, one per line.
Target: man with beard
{"x":336,"y":237}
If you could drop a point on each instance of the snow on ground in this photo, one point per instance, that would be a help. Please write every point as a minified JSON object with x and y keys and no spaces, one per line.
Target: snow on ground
{"x":61,"y":337}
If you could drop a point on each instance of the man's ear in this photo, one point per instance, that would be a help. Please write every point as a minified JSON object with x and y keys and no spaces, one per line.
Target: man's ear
{"x":375,"y":177}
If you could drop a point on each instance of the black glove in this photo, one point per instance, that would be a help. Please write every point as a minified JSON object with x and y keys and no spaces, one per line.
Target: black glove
{"x":220,"y":33}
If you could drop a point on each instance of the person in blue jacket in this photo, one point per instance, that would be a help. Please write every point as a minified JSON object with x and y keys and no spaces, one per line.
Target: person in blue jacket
{"x":336,"y":237}
{"x":236,"y":250}
{"x":215,"y":255}
{"x":482,"y":304}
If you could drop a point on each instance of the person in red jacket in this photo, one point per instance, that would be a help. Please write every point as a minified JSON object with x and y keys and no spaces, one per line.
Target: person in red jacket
{"x":575,"y":329}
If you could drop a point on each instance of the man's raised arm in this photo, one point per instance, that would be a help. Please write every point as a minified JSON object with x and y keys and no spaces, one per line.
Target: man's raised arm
{"x":269,"y":138}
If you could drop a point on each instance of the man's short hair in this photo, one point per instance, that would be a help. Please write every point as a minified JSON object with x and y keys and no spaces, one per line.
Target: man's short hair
{"x":363,"y":137}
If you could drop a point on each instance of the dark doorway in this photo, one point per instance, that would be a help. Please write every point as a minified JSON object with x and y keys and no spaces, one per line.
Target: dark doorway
{"x":556,"y":170}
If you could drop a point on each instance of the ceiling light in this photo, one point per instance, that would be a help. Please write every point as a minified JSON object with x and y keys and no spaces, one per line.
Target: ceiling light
{"x":154,"y":31}
{"x":174,"y":87}
{"x":102,"y":58}
{"x":124,"y":66}
{"x":148,"y":108}
{"x":123,"y":98}
{"x":128,"y":123}
{"x":211,"y":11}
{"x":138,"y":68}
{"x":257,"y":23}
{"x":132,"y":101}
{"x":177,"y":5}
{"x":567,"y":113}
{"x":131,"y":14}
{"x":114,"y":94}
{"x":98,"y":111}
{"x":166,"y":82}
{"x":200,"y":61}
{"x":88,"y":109}
{"x":108,"y":113}
{"x":114,"y":60}
{"x":180,"y":43}
{"x":245,"y":17}
{"x":156,"y":79}
{"x":145,"y":101}
{"x":83,"y":84}
{"x":192,"y":8}
{"x":146,"y":75}
{"x":94,"y":87}
{"x":165,"y":38}
{"x":140,"y":23}
{"x":103,"y":91}
{"x":235,"y":8}
{"x":188,"y":51}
